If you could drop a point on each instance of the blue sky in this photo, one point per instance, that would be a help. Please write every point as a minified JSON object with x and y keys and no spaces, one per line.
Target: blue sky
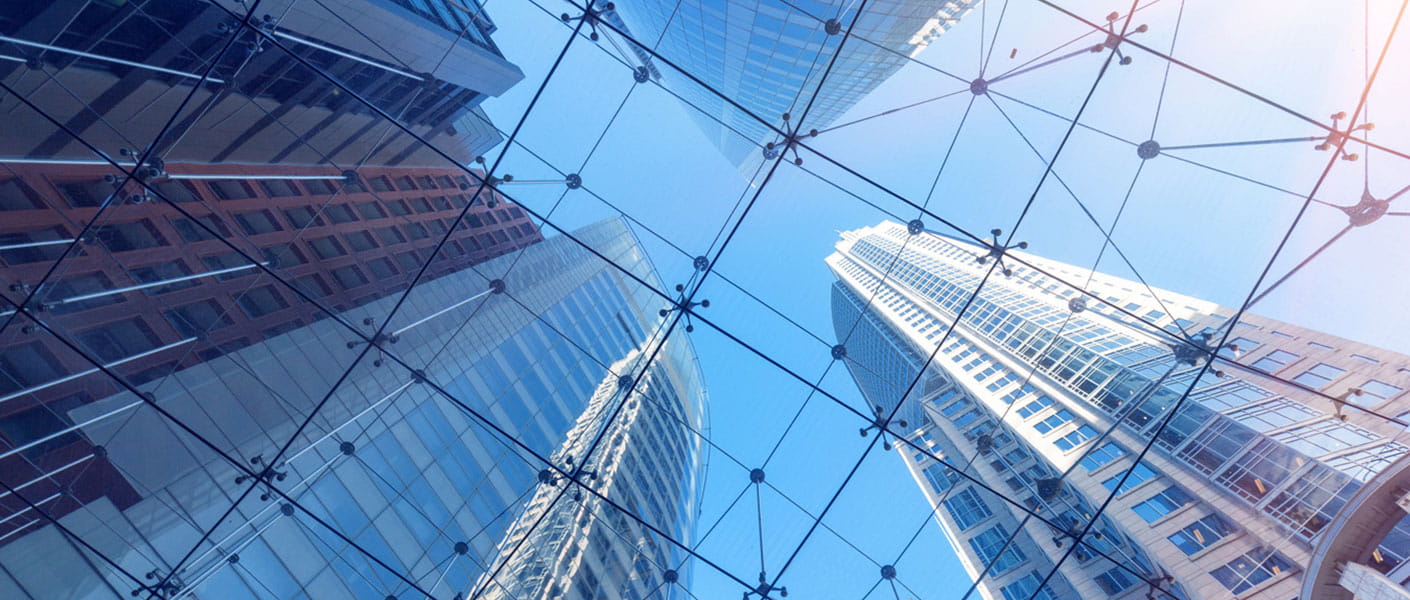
{"x":1185,"y":227}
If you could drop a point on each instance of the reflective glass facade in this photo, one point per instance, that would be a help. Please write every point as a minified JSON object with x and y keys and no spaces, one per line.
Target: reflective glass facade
{"x":407,"y":474}
{"x":1034,"y":398}
{"x":770,"y":56}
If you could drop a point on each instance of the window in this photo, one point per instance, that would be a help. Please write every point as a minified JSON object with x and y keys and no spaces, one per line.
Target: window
{"x":197,"y":318}
{"x":1238,"y":346}
{"x":404,"y":183}
{"x":1076,"y":438}
{"x":192,"y":232}
{"x":302,"y":216}
{"x":380,"y":184}
{"x":324,"y":187}
{"x":967,"y":508}
{"x":1201,"y":534}
{"x":82,"y":285}
{"x":19,"y":256}
{"x":1114,"y":581}
{"x":121,"y":237}
{"x":1275,"y":360}
{"x":1322,"y":437}
{"x":259,"y":302}
{"x":416,"y":231}
{"x":1255,"y":567}
{"x":313,"y":285}
{"x":987,"y":545}
{"x":116,"y":341}
{"x":382,"y":268}
{"x":326,"y":247}
{"x":1140,"y":474}
{"x":229,"y":260}
{"x":421,"y":205}
{"x":1161,"y":504}
{"x":26,"y":366}
{"x":361,"y":240}
{"x":398,"y":208}
{"x":390,"y":235}
{"x":1379,"y":390}
{"x":87,"y":193}
{"x":1319,"y":376}
{"x":940,"y":477}
{"x":1032,"y":408}
{"x":1102,"y":456}
{"x":1058,"y":419}
{"x":257,"y":222}
{"x":230,"y":189}
{"x":1279,"y":412}
{"x":162,"y":272}
{"x":340,"y":213}
{"x":17,"y":195}
{"x":283,"y":256}
{"x":1366,"y":359}
{"x":371,"y":210}
{"x":1024,"y":588}
{"x":280,"y":188}
{"x":426,"y":182}
{"x":349,"y":277}
{"x":176,"y":191}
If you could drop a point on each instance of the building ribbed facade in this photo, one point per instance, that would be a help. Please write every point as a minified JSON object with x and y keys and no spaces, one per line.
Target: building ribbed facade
{"x":573,"y":544}
{"x":769,"y":57}
{"x":1046,"y":397}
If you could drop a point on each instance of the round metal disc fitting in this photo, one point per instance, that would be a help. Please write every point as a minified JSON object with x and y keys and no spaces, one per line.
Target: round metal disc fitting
{"x":641,"y":75}
{"x":462,"y":548}
{"x":839,"y":352}
{"x":497,"y":286}
{"x":979,"y":87}
{"x":832,"y":27}
{"x":888,"y":572}
{"x":1148,"y":149}
{"x":756,"y":476}
{"x":347,"y":448}
{"x":701,"y":263}
{"x":671,"y":576}
{"x":573,"y":181}
{"x":1077,"y":304}
{"x":915,"y":227}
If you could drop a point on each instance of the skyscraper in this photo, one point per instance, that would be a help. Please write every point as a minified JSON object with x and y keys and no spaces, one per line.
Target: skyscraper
{"x":389,"y":469}
{"x":644,"y":458}
{"x":1045,"y":395}
{"x":769,"y":56}
{"x":269,"y":165}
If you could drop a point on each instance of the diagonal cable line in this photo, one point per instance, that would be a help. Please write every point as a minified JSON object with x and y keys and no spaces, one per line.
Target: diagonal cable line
{"x":1226,"y":83}
{"x":274,"y":460}
{"x":1166,"y":419}
{"x":736,"y":286}
{"x":142,"y":158}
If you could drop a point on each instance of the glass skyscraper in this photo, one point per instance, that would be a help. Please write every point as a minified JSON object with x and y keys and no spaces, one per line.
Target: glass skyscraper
{"x":770,"y":54}
{"x":1047,"y":396}
{"x":388,"y":463}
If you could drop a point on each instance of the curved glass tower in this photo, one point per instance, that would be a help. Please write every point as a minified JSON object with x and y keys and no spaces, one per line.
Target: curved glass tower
{"x":1046,"y":395}
{"x":769,"y":56}
{"x":393,"y":489}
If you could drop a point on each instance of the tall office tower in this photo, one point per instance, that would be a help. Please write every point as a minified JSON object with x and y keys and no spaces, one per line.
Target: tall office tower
{"x":389,"y":475}
{"x":642,"y":459}
{"x":268,"y":166}
{"x":1046,"y":396}
{"x":769,"y":55}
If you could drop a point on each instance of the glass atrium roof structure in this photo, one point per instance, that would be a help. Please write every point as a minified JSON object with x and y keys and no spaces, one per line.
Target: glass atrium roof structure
{"x":544,"y":299}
